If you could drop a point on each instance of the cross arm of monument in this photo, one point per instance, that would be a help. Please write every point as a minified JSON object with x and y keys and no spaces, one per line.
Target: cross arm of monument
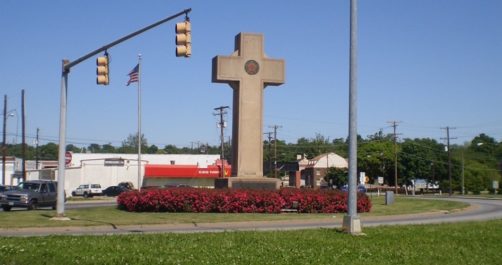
{"x":274,"y":76}
{"x":223,"y":69}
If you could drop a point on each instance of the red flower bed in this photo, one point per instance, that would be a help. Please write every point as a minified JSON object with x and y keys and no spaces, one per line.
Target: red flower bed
{"x":238,"y":201}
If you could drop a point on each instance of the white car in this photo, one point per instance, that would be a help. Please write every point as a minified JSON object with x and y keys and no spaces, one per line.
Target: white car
{"x":87,"y":190}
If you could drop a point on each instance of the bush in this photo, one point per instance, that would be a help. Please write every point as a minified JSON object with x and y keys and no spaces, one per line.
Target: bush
{"x":238,"y":201}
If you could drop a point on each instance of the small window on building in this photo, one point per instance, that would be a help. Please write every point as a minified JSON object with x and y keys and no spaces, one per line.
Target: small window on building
{"x":173,"y":162}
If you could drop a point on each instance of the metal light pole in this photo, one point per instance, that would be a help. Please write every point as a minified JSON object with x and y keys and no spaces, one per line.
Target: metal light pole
{"x":351,"y":222}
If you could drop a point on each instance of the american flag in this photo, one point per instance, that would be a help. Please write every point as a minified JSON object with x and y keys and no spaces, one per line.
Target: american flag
{"x":133,"y":75}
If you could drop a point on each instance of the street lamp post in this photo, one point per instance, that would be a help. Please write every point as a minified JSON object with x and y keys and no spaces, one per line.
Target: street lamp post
{"x":6,"y":114}
{"x":351,"y":222}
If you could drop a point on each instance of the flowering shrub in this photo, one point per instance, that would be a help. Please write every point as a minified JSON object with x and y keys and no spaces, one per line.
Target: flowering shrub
{"x":238,"y":201}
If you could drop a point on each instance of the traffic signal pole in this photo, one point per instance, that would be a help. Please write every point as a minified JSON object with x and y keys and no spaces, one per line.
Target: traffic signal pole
{"x":67,"y":65}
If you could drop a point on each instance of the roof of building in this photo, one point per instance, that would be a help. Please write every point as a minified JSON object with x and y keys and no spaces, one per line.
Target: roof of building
{"x":328,"y":160}
{"x":202,"y":160}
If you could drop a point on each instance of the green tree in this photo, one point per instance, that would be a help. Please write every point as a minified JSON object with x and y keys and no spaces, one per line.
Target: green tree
{"x":108,"y":148}
{"x":94,"y":148}
{"x":152,"y":149}
{"x":17,"y":150}
{"x":337,"y":176}
{"x":130,"y":145}
{"x":171,"y":149}
{"x":375,"y":158}
{"x":72,"y":148}
{"x":49,"y":151}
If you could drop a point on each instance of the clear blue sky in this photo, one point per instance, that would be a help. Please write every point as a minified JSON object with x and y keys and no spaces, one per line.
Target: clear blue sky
{"x":426,"y":63}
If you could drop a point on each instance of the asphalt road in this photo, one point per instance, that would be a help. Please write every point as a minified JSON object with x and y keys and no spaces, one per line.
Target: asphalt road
{"x":480,"y":209}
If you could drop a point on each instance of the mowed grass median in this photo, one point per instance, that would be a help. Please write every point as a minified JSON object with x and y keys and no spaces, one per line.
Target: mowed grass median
{"x":106,"y":216}
{"x":461,"y":243}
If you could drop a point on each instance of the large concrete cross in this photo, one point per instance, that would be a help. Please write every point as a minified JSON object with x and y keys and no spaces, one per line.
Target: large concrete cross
{"x":248,"y":71}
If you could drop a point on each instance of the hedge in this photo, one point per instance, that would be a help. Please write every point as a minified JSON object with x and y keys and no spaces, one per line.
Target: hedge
{"x":238,"y":201}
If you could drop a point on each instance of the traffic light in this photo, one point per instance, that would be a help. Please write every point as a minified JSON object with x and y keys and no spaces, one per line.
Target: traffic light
{"x":102,"y":70}
{"x":183,"y":39}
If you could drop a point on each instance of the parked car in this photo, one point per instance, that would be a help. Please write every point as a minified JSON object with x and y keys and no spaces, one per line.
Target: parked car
{"x":114,"y":191}
{"x":127,"y":185}
{"x":87,"y":190}
{"x":31,"y":195}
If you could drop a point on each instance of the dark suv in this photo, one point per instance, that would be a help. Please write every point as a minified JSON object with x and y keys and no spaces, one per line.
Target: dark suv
{"x":31,"y":195}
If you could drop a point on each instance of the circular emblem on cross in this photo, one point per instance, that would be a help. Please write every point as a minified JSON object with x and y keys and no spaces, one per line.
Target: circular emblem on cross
{"x":251,"y":67}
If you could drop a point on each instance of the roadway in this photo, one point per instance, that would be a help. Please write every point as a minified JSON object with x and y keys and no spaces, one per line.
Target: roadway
{"x":480,"y":210}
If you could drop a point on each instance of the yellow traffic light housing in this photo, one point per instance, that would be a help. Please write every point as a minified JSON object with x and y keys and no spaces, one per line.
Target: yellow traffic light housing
{"x":183,"y":39}
{"x":102,"y":70}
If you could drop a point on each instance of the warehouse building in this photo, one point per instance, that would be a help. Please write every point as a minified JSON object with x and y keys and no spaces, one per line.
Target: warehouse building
{"x":155,"y":170}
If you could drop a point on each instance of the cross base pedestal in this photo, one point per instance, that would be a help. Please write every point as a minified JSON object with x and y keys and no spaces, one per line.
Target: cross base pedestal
{"x":247,"y":183}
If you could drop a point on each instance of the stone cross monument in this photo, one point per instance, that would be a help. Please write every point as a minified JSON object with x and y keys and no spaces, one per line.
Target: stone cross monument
{"x":248,"y":71}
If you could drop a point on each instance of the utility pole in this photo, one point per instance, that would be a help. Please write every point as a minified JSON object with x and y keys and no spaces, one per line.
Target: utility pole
{"x":447,"y":128}
{"x":36,"y":150}
{"x":394,"y":125}
{"x":463,"y":173}
{"x":275,"y":127}
{"x":269,"y":137}
{"x":221,"y":112}
{"x":4,"y":146}
{"x":23,"y":125}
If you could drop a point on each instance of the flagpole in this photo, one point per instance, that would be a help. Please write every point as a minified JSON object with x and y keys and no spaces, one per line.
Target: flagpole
{"x":139,"y":121}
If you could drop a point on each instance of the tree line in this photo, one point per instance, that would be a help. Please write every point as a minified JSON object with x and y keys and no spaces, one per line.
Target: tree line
{"x":478,"y":160}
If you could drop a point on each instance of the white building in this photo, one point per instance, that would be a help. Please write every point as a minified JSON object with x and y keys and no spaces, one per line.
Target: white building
{"x":111,"y":169}
{"x":12,"y":164}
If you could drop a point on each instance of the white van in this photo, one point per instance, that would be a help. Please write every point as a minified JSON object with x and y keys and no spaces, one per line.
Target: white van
{"x":88,"y":190}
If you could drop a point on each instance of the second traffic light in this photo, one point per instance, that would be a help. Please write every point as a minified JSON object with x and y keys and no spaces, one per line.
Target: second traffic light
{"x":183,"y":39}
{"x":102,"y":70}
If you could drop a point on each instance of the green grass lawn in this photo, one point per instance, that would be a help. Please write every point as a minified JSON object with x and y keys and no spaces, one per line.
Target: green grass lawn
{"x":111,"y":215}
{"x":411,"y":205}
{"x":462,"y":243}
